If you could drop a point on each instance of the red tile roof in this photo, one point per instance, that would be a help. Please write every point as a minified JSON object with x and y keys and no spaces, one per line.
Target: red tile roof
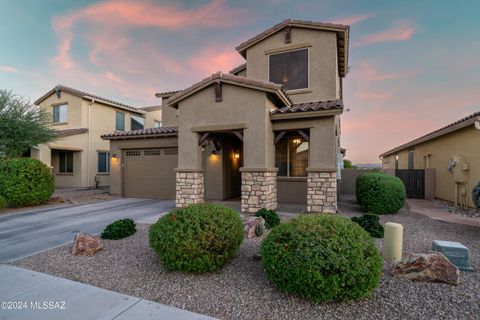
{"x":310,"y":106}
{"x":148,"y":132}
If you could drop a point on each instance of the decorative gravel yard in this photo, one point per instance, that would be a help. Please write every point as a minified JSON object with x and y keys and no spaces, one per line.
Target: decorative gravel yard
{"x":241,"y":290}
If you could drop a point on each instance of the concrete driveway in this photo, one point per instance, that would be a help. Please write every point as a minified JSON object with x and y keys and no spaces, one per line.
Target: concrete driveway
{"x":24,"y":234}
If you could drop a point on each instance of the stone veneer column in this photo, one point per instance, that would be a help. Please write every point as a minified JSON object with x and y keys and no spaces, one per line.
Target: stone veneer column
{"x":189,"y":188}
{"x":259,"y":190}
{"x":322,"y":191}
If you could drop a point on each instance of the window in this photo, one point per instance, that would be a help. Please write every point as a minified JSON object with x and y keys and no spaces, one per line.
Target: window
{"x":289,"y":69}
{"x":158,"y":124}
{"x":60,"y":113}
{"x":120,"y":121}
{"x":103,"y":162}
{"x":137,"y":122}
{"x":291,"y":157}
{"x":66,"y":161}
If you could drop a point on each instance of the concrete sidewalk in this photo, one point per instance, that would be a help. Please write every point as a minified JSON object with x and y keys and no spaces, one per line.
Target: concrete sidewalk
{"x":434,"y":211}
{"x":41,"y":296}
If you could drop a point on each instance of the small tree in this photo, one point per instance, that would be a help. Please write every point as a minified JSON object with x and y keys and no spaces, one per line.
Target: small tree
{"x":22,"y":125}
{"x":347,"y":164}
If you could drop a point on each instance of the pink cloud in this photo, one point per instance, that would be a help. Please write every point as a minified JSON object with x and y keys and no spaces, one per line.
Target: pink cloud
{"x":402,"y":31}
{"x":8,"y":69}
{"x":353,"y":19}
{"x":367,"y":71}
{"x":211,"y":60}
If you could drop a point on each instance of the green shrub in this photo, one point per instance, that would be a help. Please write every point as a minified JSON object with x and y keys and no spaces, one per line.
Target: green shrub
{"x":3,"y":202}
{"x":370,"y":222}
{"x":322,"y":258}
{"x":270,"y":216}
{"x":476,"y":196}
{"x":199,"y":238}
{"x":25,"y":182}
{"x":119,"y":229}
{"x":379,"y":193}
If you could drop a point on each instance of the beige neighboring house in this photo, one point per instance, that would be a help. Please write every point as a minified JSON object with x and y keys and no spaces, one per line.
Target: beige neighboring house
{"x":453,"y":152}
{"x":267,"y":132}
{"x":79,"y":156}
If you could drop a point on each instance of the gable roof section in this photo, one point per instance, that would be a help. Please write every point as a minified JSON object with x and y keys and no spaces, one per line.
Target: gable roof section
{"x":142,"y":133}
{"x":310,"y":106}
{"x":166,"y":94}
{"x":151,"y":108}
{"x":454,"y":126}
{"x":276,"y":90}
{"x":238,"y":69}
{"x":341,"y":30}
{"x":88,"y":96}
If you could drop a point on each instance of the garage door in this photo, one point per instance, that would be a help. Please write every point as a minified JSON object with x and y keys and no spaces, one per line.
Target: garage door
{"x":149,"y":173}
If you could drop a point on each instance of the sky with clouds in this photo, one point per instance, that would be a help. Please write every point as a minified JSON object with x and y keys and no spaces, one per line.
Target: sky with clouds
{"x":415,"y":65}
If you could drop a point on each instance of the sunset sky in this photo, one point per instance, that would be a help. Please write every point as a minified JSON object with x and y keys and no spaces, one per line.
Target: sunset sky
{"x":415,"y":65}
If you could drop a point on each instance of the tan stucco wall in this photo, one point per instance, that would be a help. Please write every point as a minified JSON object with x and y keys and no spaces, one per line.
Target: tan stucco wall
{"x":116,"y":147}
{"x":324,"y":81}
{"x":169,"y":114}
{"x":101,"y":120}
{"x":240,"y":107}
{"x":151,"y":117}
{"x":464,"y":143}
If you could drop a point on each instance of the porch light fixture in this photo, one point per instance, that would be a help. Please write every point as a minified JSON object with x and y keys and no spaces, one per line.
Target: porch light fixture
{"x":236,"y":155}
{"x":214,"y":153}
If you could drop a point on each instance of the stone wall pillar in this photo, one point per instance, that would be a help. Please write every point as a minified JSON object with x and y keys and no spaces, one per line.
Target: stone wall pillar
{"x":259,"y":189}
{"x":322,"y":191}
{"x":189,"y":188}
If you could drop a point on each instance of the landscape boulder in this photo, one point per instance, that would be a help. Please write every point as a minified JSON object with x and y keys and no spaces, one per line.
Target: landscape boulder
{"x":252,"y":224}
{"x":430,"y":267}
{"x":85,"y":244}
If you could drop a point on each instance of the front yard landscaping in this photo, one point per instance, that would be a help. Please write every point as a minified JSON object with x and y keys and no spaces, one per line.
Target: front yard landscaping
{"x":241,"y":289}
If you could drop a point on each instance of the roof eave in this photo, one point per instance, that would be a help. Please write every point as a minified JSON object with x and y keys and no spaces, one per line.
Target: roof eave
{"x":440,"y":133}
{"x":143,"y":136}
{"x":306,"y":114}
{"x":113,"y":105}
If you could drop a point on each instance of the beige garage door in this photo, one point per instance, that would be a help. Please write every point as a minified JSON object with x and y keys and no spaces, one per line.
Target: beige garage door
{"x":149,"y":173}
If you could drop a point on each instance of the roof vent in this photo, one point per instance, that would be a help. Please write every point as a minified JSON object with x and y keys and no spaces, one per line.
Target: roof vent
{"x":288,"y":34}
{"x":58,"y":92}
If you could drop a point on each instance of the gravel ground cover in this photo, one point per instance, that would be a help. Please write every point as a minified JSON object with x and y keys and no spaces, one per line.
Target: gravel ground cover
{"x":242,"y":291}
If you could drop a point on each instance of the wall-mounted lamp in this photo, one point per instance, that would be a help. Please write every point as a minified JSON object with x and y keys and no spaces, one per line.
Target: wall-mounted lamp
{"x":236,"y":155}
{"x":114,"y":159}
{"x":214,"y":153}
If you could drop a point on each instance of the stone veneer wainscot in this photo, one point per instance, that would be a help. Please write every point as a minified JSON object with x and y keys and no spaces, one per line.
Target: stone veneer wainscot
{"x":259,"y":189}
{"x":189,"y":188}
{"x":322,"y":191}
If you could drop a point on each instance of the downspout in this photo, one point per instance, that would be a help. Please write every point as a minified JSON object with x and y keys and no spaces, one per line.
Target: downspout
{"x":89,"y":142}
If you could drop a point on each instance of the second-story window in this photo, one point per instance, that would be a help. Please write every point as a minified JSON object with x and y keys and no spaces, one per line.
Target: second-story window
{"x":137,"y":122}
{"x":289,"y":69}
{"x":158,"y":124}
{"x":60,"y":113}
{"x":120,"y":121}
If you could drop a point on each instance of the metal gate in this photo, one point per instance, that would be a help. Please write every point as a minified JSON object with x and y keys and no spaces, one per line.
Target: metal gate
{"x":414,"y":180}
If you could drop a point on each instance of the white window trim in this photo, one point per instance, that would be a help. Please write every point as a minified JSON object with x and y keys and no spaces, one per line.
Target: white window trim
{"x":308,"y":68}
{"x":59,"y":105}
{"x":107,"y":162}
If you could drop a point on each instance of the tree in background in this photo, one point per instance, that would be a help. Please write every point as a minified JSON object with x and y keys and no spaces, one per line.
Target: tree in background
{"x":347,"y":164}
{"x":22,"y":125}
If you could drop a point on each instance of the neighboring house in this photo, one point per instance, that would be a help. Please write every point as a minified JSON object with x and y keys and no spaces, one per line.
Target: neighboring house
{"x":268,"y":132}
{"x":453,"y":151}
{"x":79,"y":157}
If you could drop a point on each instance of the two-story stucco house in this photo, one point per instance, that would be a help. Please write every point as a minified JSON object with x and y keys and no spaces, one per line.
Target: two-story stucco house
{"x":267,"y":132}
{"x":79,"y":157}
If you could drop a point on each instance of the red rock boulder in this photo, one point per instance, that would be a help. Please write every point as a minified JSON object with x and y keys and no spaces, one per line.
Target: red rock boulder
{"x":430,"y":267}
{"x":85,"y":244}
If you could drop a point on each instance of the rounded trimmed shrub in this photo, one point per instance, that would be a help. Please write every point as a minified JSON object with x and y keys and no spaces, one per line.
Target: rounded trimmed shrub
{"x":270,"y":216}
{"x":199,"y":238}
{"x":476,"y":196}
{"x":119,"y":229}
{"x":3,"y":202}
{"x":379,"y":193}
{"x":322,"y":258}
{"x":371,"y":224}
{"x":25,"y":182}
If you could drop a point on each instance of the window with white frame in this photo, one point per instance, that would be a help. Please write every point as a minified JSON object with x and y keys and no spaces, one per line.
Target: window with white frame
{"x":289,"y":69}
{"x":103,"y":162}
{"x":137,"y":122}
{"x":158,"y":124}
{"x":60,"y":113}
